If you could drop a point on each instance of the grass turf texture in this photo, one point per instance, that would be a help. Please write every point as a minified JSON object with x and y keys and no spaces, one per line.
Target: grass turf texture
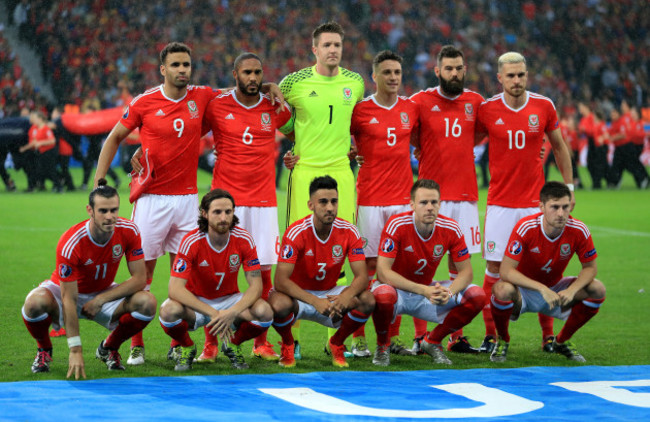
{"x":30,"y":226}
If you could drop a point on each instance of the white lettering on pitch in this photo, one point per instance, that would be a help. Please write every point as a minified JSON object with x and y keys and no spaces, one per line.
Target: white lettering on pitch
{"x":495,"y":403}
{"x":613,"y":391}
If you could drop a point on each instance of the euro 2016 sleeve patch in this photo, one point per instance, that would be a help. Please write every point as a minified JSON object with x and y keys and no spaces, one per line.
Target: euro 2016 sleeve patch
{"x":388,"y":246}
{"x":287,"y":252}
{"x":515,"y":247}
{"x":180,"y":265}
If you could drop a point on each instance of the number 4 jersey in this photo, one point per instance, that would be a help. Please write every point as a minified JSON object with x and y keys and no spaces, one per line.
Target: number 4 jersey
{"x":212,"y":273}
{"x":515,"y":142}
{"x":544,"y":259}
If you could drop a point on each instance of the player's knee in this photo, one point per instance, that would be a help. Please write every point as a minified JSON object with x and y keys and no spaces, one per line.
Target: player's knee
{"x":503,"y":290}
{"x":39,"y":301}
{"x":596,"y":289}
{"x":280,"y":303}
{"x":475,"y":297}
{"x":385,"y":295}
{"x":366,"y":302}
{"x":171,"y":310}
{"x":144,"y":303}
{"x":262,"y":311}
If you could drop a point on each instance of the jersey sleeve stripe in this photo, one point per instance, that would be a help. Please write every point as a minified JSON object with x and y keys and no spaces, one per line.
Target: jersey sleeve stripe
{"x":144,"y":94}
{"x":540,"y":97}
{"x":342,"y":224}
{"x":580,"y":226}
{"x":71,"y":243}
{"x":187,"y":243}
{"x":449,"y":224}
{"x":293,"y":232}
{"x":397,"y":221}
{"x":521,"y":231}
{"x":127,"y":224}
{"x":243,"y":234}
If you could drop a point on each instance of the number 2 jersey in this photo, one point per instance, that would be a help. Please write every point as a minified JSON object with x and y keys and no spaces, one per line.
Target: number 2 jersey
{"x":416,"y":258}
{"x":543,"y":259}
{"x":515,"y":142}
{"x":212,"y":273}
{"x":171,"y":131}
{"x":318,"y":262}
{"x":93,"y":266}
{"x":244,"y":138}
{"x":383,"y":136}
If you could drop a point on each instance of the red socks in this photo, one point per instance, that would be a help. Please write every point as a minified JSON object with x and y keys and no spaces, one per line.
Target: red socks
{"x":351,"y":321}
{"x":580,"y":314}
{"x":501,"y":311}
{"x":489,"y":281}
{"x":177,"y":330}
{"x":39,"y":328}
{"x":129,"y":325}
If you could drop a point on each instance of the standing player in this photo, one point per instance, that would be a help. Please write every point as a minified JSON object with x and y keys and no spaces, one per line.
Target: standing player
{"x":82,"y":286}
{"x":446,"y":141}
{"x":539,"y":250}
{"x":516,"y":121}
{"x":244,"y":124}
{"x":203,"y":287}
{"x":412,"y":246}
{"x":382,"y":125}
{"x":169,"y":117}
{"x":313,"y":252}
{"x":322,"y":97}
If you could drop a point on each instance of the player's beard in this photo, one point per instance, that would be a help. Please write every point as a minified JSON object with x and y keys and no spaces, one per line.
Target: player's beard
{"x":244,"y":88}
{"x":452,"y":87}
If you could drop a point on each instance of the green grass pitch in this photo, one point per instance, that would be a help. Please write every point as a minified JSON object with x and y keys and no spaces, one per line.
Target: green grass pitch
{"x":30,"y":225}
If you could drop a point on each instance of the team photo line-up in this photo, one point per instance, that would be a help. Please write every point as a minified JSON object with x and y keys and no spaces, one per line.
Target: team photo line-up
{"x":402,"y":229}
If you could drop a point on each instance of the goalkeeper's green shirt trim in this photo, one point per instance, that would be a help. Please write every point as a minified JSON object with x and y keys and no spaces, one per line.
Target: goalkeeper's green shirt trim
{"x":322,"y":112}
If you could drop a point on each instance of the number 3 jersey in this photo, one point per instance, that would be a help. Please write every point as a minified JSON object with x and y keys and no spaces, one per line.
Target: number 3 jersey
{"x":93,"y":266}
{"x":383,"y":136}
{"x":544,"y":259}
{"x":171,"y":131}
{"x":417,"y":258}
{"x":244,"y":138}
{"x":212,"y":273}
{"x":318,"y":262}
{"x":515,"y":141}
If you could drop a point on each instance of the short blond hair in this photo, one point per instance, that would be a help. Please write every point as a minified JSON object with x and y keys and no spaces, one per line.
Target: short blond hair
{"x":511,"y":57}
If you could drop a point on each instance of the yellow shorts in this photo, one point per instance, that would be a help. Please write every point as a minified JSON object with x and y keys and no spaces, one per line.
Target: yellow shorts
{"x":302,"y":178}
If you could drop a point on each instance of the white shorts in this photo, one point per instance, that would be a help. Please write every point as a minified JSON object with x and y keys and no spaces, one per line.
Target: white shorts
{"x":371,"y":222}
{"x":103,"y":317}
{"x":419,"y":306}
{"x":163,"y":221}
{"x":532,"y":301}
{"x":466,"y":215}
{"x":220,"y":303}
{"x":262,"y":224}
{"x":499,"y":222}
{"x":308,"y":312}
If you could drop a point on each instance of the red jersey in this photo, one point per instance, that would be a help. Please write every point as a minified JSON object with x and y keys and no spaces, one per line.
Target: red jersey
{"x":416,"y":258}
{"x":383,"y":136}
{"x":244,"y":138}
{"x":515,"y":140}
{"x":620,"y":126}
{"x":600,"y":133}
{"x":570,"y":136}
{"x":41,"y":134}
{"x":318,"y":262}
{"x":93,"y":266}
{"x":543,"y":259}
{"x":637,"y":132}
{"x":212,"y":273}
{"x":171,"y":131}
{"x":586,"y":125}
{"x":447,"y":133}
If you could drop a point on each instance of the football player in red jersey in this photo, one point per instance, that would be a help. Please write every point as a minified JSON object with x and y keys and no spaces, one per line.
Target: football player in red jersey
{"x":516,"y":122}
{"x":244,"y":123}
{"x":83,"y":286}
{"x":382,"y":125}
{"x":203,"y":287}
{"x":446,"y":139}
{"x":412,"y":246}
{"x":532,"y":280}
{"x":312,"y":255}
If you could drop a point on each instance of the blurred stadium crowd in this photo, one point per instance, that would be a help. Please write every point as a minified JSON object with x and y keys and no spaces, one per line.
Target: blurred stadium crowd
{"x":92,"y":51}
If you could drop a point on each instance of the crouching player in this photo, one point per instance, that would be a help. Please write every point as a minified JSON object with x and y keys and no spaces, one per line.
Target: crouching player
{"x":539,"y":249}
{"x":203,"y":287}
{"x":82,"y":286}
{"x":312,"y":254}
{"x":411,"y":248}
